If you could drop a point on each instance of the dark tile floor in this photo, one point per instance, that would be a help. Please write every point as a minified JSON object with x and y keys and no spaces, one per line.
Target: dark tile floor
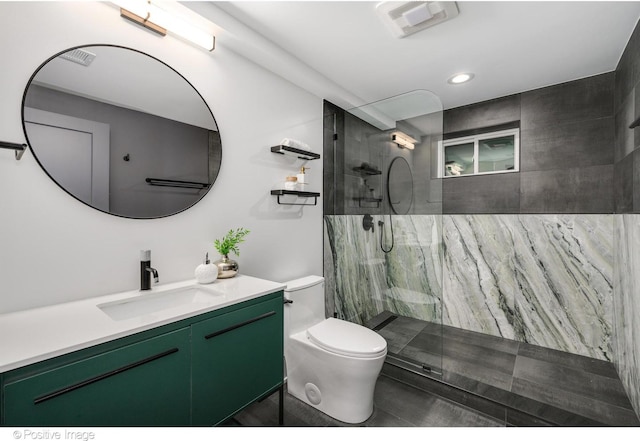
{"x":395,"y":405}
{"x":537,"y":385}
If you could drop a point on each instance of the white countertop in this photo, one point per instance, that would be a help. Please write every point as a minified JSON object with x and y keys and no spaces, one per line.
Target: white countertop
{"x":38,"y":334}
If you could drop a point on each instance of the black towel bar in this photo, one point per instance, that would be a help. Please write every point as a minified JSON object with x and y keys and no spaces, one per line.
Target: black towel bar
{"x":19,"y":148}
{"x":179,"y":184}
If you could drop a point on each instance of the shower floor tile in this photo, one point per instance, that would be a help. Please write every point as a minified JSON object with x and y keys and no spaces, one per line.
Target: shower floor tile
{"x":400,"y":332}
{"x":555,"y":386}
{"x":560,"y":358}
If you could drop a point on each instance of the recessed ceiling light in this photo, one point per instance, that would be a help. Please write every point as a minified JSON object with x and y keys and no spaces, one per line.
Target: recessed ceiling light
{"x":460,"y":78}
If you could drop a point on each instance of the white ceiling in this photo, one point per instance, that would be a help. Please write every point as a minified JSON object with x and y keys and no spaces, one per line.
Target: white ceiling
{"x":510,"y":46}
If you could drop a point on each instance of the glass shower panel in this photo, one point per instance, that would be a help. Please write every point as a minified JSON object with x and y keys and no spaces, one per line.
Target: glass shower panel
{"x":383,"y":254}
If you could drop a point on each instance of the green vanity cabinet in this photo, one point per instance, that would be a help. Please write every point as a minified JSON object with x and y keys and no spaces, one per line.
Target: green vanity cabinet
{"x":237,"y":358}
{"x":142,"y":384}
{"x":196,"y":371}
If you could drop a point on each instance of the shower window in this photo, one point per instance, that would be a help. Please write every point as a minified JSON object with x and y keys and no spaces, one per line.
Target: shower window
{"x":486,"y":153}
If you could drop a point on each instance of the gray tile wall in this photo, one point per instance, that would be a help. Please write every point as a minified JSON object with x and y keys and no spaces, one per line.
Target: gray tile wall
{"x":626,"y":295}
{"x":485,"y":114}
{"x":566,"y":154}
{"x":499,"y":193}
{"x":627,"y":141}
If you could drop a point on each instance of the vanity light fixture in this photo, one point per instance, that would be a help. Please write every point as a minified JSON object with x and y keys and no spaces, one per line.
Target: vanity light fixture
{"x":460,"y":78}
{"x":403,"y":140}
{"x":161,"y":17}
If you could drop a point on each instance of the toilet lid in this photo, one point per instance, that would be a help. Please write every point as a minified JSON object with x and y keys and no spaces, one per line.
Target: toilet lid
{"x":345,"y":338}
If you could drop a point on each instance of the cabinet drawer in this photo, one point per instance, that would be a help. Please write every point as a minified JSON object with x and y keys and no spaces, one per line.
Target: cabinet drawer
{"x":237,"y":357}
{"x":143,"y":384}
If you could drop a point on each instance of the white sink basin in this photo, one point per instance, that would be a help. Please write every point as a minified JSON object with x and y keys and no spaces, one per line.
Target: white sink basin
{"x":187,"y":298}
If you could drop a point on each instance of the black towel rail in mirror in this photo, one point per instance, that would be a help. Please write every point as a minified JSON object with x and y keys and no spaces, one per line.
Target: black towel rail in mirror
{"x":376,"y":201}
{"x":176,"y":183}
{"x":19,"y":148}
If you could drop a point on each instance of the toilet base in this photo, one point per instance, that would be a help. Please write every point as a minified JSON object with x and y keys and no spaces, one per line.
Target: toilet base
{"x":340,"y":386}
{"x":353,"y":416}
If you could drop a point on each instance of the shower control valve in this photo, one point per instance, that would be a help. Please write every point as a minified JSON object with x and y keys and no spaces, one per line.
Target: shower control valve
{"x":367,"y":222}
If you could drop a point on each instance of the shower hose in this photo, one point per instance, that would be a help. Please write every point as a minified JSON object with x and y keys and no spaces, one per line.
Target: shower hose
{"x":381,"y":228}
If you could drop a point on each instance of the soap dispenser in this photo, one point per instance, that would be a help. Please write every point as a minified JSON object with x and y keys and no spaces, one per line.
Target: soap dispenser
{"x":206,"y":272}
{"x":301,"y":176}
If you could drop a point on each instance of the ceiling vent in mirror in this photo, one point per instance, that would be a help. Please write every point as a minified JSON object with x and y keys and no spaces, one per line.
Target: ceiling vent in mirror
{"x":406,"y":18}
{"x":79,"y":56}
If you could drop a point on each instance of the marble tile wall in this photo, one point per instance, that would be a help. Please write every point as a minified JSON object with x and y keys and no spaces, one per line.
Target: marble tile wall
{"x":540,"y":279}
{"x":626,"y":302}
{"x":363,"y":281}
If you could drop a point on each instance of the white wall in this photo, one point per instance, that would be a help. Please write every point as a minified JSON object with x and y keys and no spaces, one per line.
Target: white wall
{"x":55,"y":249}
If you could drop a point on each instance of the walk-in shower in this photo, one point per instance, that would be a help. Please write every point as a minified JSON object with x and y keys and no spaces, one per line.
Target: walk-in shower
{"x":501,"y":308}
{"x":383,"y":217}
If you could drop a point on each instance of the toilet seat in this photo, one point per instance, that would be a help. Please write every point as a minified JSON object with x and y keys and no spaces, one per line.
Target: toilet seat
{"x":345,"y":338}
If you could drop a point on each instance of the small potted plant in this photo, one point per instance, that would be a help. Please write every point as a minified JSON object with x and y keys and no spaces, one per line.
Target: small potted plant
{"x":229,"y":243}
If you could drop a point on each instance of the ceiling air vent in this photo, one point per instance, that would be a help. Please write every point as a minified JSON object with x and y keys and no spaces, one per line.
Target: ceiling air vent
{"x":79,"y":56}
{"x":406,"y":18}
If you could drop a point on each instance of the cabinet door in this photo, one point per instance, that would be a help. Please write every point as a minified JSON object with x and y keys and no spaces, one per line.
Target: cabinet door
{"x":143,"y":384}
{"x":237,"y":358}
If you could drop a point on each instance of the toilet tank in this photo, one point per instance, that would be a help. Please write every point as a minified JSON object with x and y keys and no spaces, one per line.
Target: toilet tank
{"x":307,"y":307}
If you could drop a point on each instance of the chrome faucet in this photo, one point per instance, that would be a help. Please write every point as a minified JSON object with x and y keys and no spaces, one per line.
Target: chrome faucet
{"x":146,"y":271}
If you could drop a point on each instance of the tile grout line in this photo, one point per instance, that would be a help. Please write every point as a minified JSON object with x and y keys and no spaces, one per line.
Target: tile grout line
{"x":515,"y":364}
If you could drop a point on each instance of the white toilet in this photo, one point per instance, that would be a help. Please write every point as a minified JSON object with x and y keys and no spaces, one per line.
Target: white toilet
{"x":332,"y":364}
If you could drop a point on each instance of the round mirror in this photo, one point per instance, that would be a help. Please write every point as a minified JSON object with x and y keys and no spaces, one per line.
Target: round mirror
{"x":121,"y":131}
{"x":400,"y":186}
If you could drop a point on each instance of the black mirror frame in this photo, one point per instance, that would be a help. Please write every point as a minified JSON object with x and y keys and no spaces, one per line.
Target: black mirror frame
{"x":22,"y":115}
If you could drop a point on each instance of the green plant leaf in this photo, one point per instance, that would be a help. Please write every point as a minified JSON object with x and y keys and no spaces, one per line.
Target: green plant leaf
{"x":230,"y":241}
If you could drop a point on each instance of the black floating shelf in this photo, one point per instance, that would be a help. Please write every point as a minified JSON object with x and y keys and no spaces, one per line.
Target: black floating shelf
{"x":373,"y":200}
{"x":367,"y":170}
{"x":302,"y":154}
{"x":635,"y":124}
{"x":300,"y":194}
{"x":369,"y":199}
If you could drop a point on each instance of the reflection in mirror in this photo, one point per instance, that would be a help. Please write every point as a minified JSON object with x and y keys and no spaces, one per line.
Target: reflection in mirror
{"x":400,"y":185}
{"x":121,"y":131}
{"x":368,"y":139}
